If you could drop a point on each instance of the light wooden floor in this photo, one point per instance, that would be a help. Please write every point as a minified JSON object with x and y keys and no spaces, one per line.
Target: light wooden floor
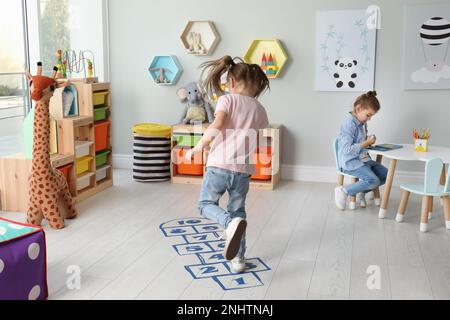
{"x":314,"y":250}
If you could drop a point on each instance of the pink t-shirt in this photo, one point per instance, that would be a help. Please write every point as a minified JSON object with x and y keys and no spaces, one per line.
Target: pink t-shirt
{"x":234,"y":146}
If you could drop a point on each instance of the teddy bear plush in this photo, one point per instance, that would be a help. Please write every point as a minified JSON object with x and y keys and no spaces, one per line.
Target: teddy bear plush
{"x":196,"y":109}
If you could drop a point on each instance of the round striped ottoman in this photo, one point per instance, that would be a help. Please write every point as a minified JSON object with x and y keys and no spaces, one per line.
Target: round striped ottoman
{"x":151,"y":152}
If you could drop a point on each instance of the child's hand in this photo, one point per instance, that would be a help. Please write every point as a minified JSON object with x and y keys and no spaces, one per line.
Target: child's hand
{"x":370,"y":141}
{"x":191,"y":152}
{"x":188,"y":156}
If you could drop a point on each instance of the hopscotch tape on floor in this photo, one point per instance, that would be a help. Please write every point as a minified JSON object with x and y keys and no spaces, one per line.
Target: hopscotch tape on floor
{"x":201,"y":238}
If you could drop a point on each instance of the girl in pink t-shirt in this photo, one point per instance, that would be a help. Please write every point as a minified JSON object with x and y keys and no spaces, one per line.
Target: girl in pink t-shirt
{"x":234,"y":133}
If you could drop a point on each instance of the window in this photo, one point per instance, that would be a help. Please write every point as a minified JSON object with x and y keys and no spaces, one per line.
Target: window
{"x":34,"y":30}
{"x":13,"y":88}
{"x":76,"y":27}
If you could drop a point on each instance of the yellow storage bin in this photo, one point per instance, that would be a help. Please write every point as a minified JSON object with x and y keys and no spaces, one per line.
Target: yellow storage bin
{"x":152,"y":130}
{"x":99,"y":98}
{"x":82,"y":164}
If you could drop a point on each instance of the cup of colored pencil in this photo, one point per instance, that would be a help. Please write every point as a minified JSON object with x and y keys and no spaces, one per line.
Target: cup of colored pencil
{"x":421,"y":139}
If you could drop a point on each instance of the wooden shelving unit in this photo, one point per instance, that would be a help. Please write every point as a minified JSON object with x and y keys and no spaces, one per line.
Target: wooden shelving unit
{"x":87,"y":107}
{"x":15,"y":169}
{"x":273,"y":134}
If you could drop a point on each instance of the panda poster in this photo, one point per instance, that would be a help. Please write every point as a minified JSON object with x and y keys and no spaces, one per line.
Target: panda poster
{"x":345,"y":51}
{"x":426,"y":50}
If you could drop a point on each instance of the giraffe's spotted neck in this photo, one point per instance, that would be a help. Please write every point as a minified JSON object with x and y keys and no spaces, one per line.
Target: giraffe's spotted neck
{"x":41,"y":140}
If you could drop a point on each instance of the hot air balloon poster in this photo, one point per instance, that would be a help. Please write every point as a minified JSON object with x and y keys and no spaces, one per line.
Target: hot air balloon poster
{"x":345,"y":51}
{"x":427,"y":47}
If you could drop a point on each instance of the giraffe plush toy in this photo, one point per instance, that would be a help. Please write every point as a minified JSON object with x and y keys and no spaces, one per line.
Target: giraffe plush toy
{"x":47,"y":185}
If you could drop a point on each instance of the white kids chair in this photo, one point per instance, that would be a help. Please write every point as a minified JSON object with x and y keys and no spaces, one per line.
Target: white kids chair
{"x":342,"y":175}
{"x":429,"y":189}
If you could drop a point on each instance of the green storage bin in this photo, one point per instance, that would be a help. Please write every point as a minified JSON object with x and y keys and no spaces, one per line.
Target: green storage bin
{"x":101,"y":158}
{"x":187,"y":140}
{"x":100,"y":113}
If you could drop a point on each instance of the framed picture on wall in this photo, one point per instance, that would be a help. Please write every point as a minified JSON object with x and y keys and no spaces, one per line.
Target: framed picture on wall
{"x":345,"y":51}
{"x":427,"y":47}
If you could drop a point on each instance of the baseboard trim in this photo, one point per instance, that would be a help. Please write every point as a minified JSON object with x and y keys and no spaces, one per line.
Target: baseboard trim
{"x":294,"y":173}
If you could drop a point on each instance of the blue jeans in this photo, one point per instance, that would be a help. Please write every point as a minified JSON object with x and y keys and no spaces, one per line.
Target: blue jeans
{"x":215,"y":183}
{"x":371,"y":176}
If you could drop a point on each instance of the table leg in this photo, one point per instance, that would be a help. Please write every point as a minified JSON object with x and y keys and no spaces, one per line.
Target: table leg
{"x":376,"y":192}
{"x":387,"y":189}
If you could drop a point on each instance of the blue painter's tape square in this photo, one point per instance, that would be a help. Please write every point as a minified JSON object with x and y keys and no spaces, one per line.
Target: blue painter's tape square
{"x":187,"y":249}
{"x":253,"y":265}
{"x":203,"y":237}
{"x":208,"y":228}
{"x":217,"y":245}
{"x":178,"y":231}
{"x":202,"y":271}
{"x":238,"y":281}
{"x":211,"y":257}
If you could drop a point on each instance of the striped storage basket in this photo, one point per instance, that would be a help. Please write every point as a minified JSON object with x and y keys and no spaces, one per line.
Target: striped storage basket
{"x":151,"y":152}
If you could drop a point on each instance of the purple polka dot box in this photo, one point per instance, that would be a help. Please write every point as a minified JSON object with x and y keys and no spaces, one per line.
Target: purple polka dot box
{"x":23,"y":269}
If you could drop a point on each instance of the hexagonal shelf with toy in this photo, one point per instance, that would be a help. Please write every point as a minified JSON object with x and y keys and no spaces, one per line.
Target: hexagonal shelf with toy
{"x":269,"y":54}
{"x":165,"y":70}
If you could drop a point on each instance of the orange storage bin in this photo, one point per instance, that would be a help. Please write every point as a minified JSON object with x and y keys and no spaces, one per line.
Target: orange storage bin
{"x":263,"y":163}
{"x":183,"y":166}
{"x":65,"y":170}
{"x":101,"y":135}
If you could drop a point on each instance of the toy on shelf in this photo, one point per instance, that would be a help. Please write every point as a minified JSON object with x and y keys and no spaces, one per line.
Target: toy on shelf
{"x":162,"y":75}
{"x":197,"y":109}
{"x":195,"y":43}
{"x":269,"y":54}
{"x":90,"y":68}
{"x":200,"y":37}
{"x":268,"y":66}
{"x":165,"y":70}
{"x":47,"y":185}
{"x":83,"y":63}
{"x":61,"y":65}
{"x":421,"y":140}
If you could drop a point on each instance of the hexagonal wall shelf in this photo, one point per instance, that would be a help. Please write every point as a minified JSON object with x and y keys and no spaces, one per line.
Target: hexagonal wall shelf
{"x":269,"y":54}
{"x":200,"y":38}
{"x":165,"y":70}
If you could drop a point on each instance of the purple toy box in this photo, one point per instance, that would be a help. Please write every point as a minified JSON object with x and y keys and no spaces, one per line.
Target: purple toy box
{"x":23,"y":269}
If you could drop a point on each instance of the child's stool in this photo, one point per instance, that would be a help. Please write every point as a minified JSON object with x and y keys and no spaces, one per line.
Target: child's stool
{"x":23,"y":269}
{"x":342,"y":175}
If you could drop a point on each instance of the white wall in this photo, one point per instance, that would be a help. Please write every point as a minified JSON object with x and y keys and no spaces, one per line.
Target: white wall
{"x":140,"y":29}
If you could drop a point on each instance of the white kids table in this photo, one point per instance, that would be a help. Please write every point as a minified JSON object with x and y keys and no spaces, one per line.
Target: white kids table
{"x":407,"y":153}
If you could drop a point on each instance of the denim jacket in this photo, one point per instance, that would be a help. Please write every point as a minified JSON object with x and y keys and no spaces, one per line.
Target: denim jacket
{"x":352,"y":133}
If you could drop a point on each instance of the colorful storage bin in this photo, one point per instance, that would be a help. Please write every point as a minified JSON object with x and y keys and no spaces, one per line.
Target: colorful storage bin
{"x":101,"y":158}
{"x":65,"y":170}
{"x":151,"y":152}
{"x":101,"y":132}
{"x":82,"y":148}
{"x":99,"y":98}
{"x":84,"y":181}
{"x":187,"y":140}
{"x":101,"y":173}
{"x":100,"y":113}
{"x":184,"y":166}
{"x":82,"y":164}
{"x":263,"y":163}
{"x":23,"y":269}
